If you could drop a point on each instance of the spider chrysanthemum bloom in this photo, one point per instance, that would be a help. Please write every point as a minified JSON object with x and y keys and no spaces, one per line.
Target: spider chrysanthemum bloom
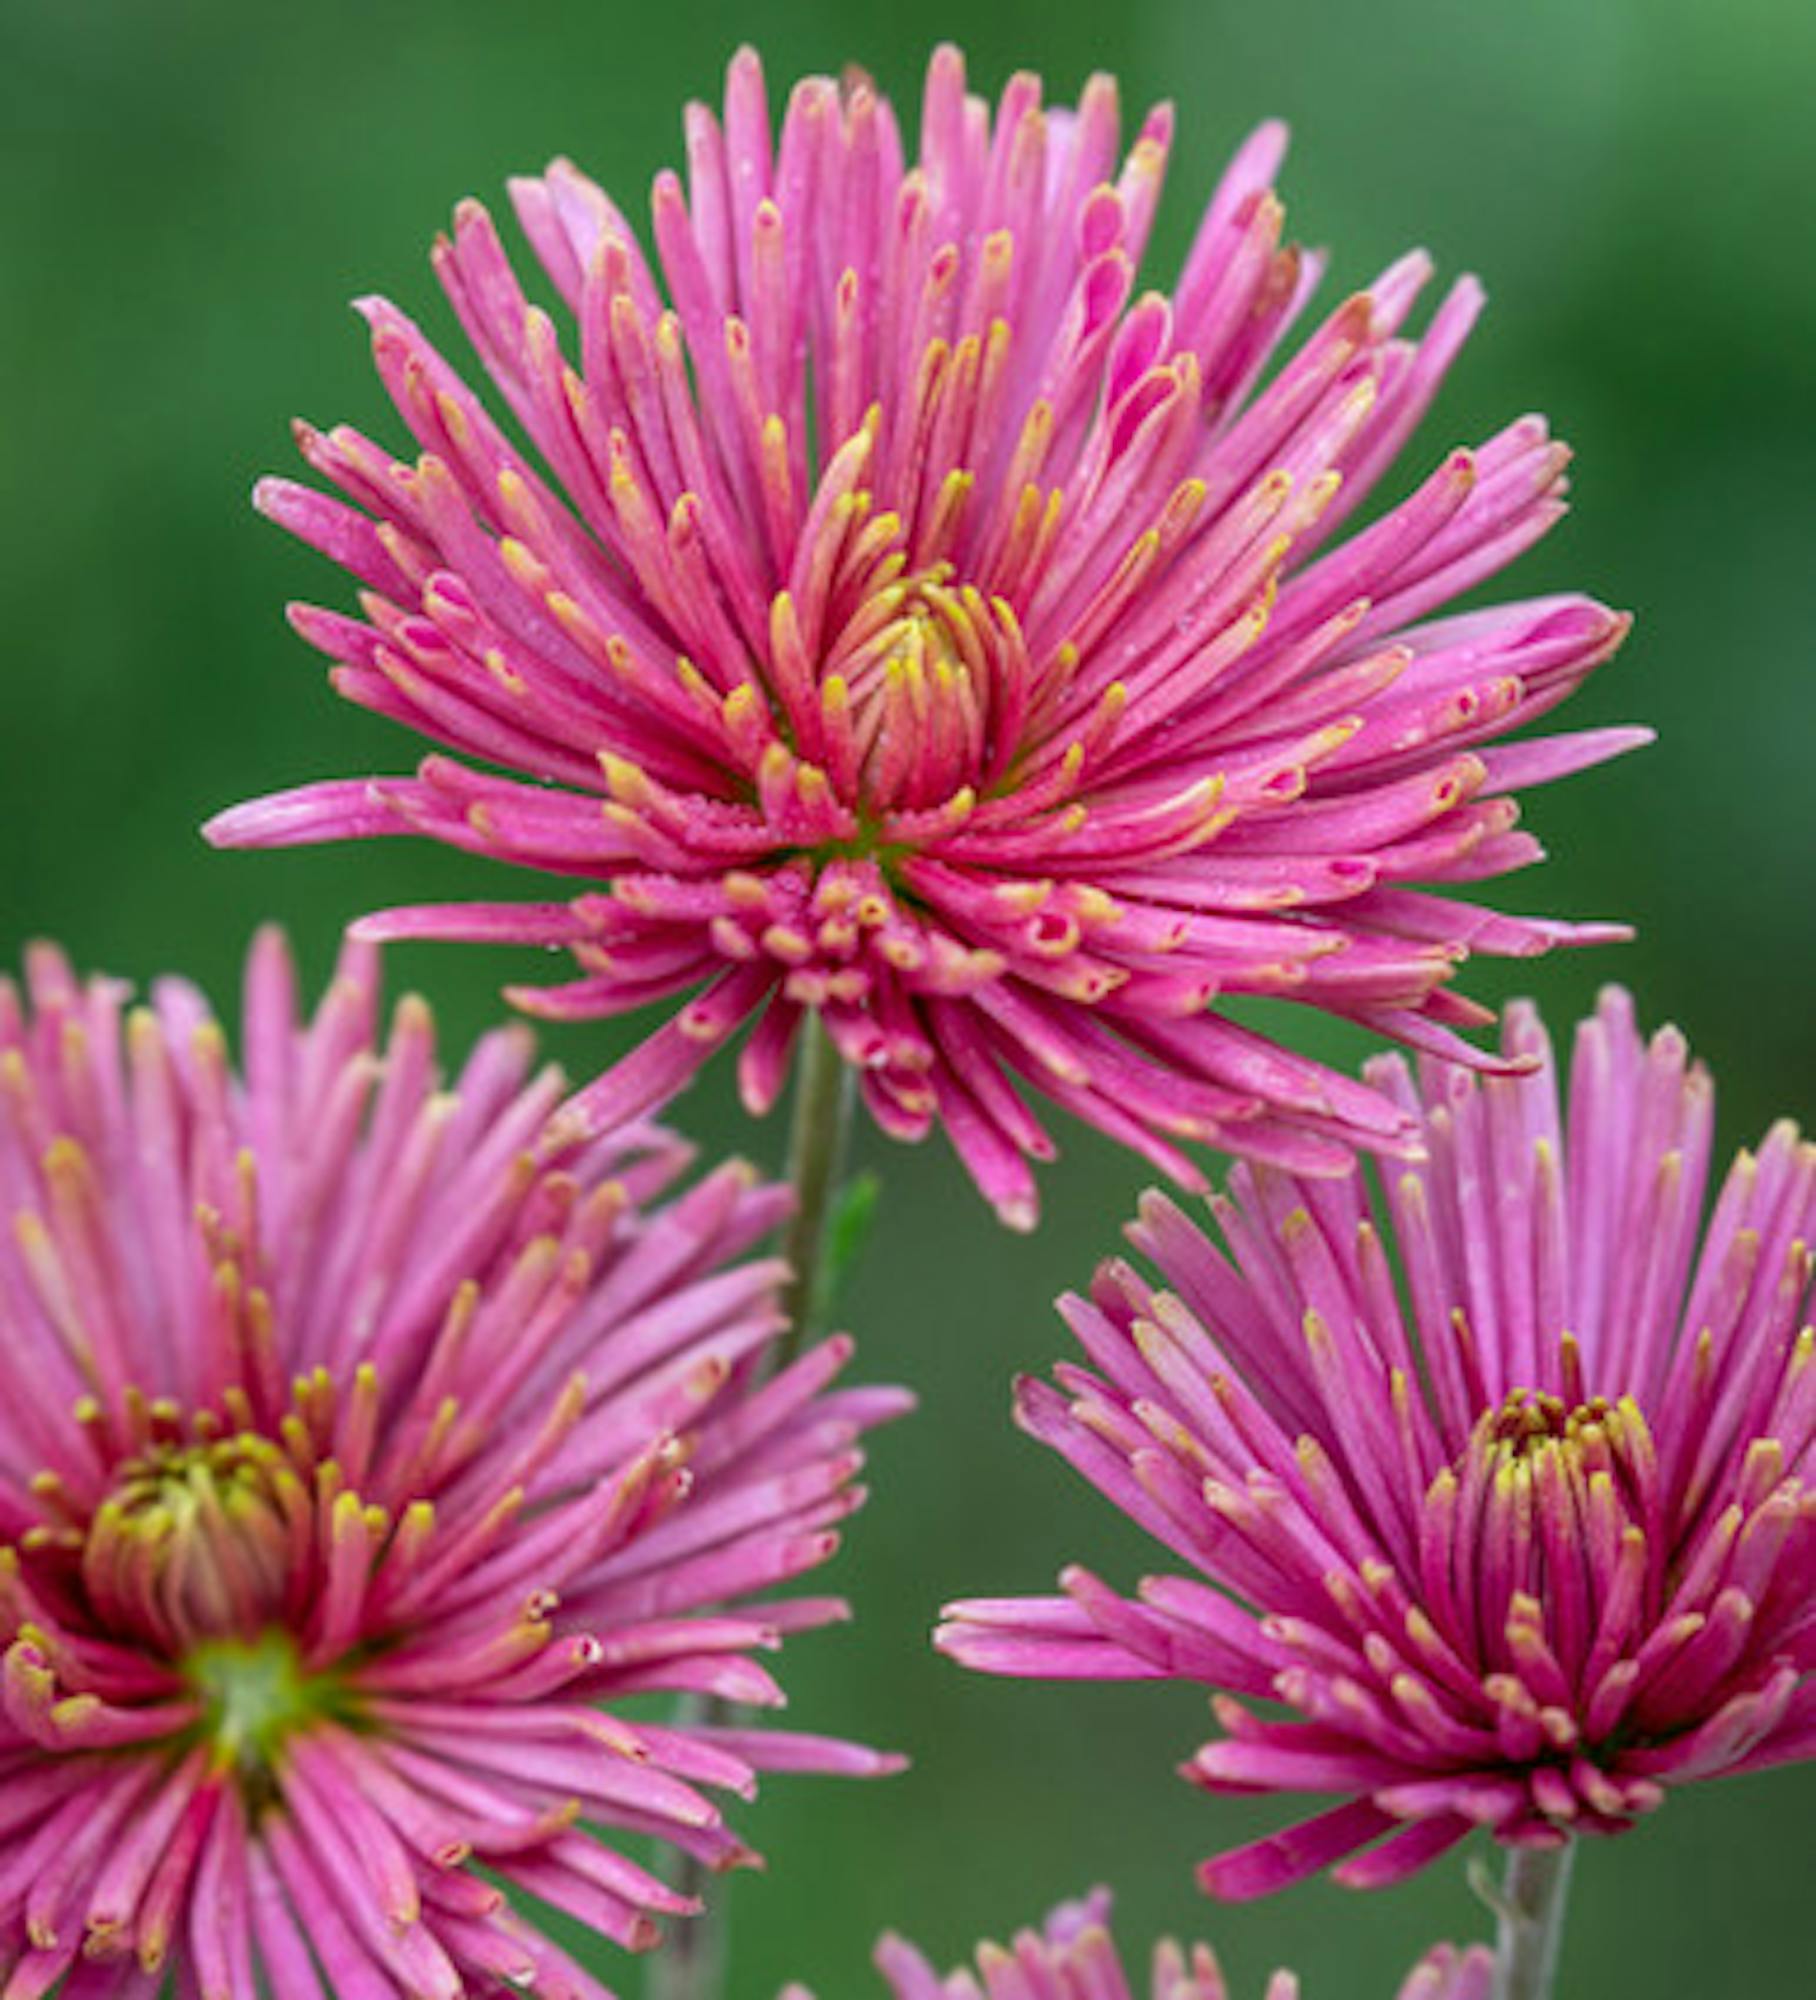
{"x":364,"y":1439}
{"x":904,"y":623}
{"x":1073,"y":1956}
{"x":1520,"y":1538}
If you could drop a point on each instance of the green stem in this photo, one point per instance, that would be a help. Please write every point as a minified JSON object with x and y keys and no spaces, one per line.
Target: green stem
{"x":816,"y":1152}
{"x":1531,"y":1906}
{"x":691,"y":1962}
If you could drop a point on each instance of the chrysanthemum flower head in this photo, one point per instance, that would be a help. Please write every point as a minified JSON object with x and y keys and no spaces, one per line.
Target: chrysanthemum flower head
{"x":903,"y":621}
{"x":1514,"y":1519}
{"x":364,"y":1438}
{"x":1073,"y":1955}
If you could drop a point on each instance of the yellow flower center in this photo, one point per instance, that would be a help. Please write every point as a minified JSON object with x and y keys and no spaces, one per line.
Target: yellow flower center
{"x":1531,"y":1418}
{"x":195,"y":1544}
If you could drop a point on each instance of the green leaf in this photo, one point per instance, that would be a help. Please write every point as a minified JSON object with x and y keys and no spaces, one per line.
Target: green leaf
{"x":849,"y":1230}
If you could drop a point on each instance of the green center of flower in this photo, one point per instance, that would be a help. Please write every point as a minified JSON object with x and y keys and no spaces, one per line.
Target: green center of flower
{"x":254,"y":1695}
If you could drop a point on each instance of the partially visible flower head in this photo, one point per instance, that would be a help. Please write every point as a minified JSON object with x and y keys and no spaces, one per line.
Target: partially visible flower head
{"x":1515,"y":1519}
{"x":1073,"y":1957}
{"x":905,"y":623}
{"x":363,"y":1441}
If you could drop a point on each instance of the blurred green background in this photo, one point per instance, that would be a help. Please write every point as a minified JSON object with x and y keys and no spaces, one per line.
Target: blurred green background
{"x":191,"y":192}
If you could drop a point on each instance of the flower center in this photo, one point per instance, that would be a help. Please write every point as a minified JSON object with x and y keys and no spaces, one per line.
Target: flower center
{"x":1539,"y":1446}
{"x":920,"y":685}
{"x":254,"y":1695}
{"x":212,"y":1555}
{"x":196,"y":1542}
{"x":1531,"y":1418}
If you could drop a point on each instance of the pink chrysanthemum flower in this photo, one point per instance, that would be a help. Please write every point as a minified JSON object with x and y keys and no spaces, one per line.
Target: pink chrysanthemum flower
{"x":1074,"y":1957}
{"x":909,"y":625}
{"x":361,"y":1438}
{"x":1520,"y":1539}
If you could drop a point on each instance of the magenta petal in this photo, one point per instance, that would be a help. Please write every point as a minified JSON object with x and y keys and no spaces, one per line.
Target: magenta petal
{"x":1281,"y":1859}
